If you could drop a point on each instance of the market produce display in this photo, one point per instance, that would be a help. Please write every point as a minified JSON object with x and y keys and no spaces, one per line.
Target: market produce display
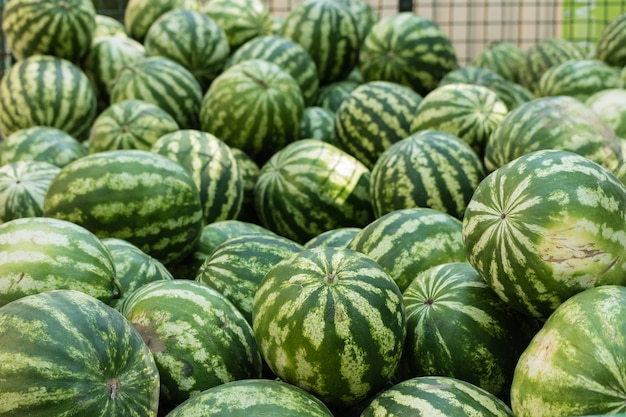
{"x":230,"y":208}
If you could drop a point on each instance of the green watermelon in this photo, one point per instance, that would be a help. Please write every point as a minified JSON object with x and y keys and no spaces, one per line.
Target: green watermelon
{"x":67,"y":354}
{"x":255,"y":106}
{"x":333,"y":238}
{"x":546,"y":226}
{"x":130,"y":124}
{"x":318,"y":123}
{"x":43,"y":90}
{"x":310,"y":187}
{"x":108,"y":26}
{"x":197,"y":337}
{"x":43,"y":144}
{"x":139,"y":196}
{"x":287,"y":54}
{"x":211,"y":165}
{"x":193,"y":40}
{"x":38,"y":254}
{"x":438,"y":396}
{"x":253,"y":397}
{"x":610,"y":47}
{"x":575,"y":363}
{"x":330,"y":96}
{"x":237,"y":266}
{"x":23,"y":186}
{"x":429,"y":168}
{"x":365,"y":15}
{"x":139,"y":15}
{"x":249,"y":173}
{"x":409,"y":241}
{"x":457,"y":326}
{"x":164,"y":83}
{"x":559,"y":122}
{"x":332,"y":322}
{"x":610,"y":104}
{"x":504,"y":58}
{"x":374,"y":116}
{"x":407,"y":49}
{"x":62,"y":28}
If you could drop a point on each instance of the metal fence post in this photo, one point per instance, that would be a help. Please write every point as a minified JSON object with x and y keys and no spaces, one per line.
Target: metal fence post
{"x":405,"y":5}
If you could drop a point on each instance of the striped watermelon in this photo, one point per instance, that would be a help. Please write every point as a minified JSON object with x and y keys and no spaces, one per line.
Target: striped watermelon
{"x":327,"y":30}
{"x":138,"y":196}
{"x":212,"y":167}
{"x":429,"y":168}
{"x":441,"y":396}
{"x":365,"y":15}
{"x":130,"y":124}
{"x":310,"y":187}
{"x":574,"y":365}
{"x":193,"y":40}
{"x":330,"y":96}
{"x":504,"y":58}
{"x":237,"y":266}
{"x":67,"y":354}
{"x":107,"y":55}
{"x":249,"y":173}
{"x":546,"y":226}
{"x":62,"y":28}
{"x":333,"y":238}
{"x":408,"y":49}
{"x":43,"y":90}
{"x":133,"y":267}
{"x":578,"y":78}
{"x":287,"y":54}
{"x":544,"y":54}
{"x":610,"y":47}
{"x":197,"y":337}
{"x":318,"y":123}
{"x":139,"y":15}
{"x":332,"y":322}
{"x":41,"y":143}
{"x":164,"y":83}
{"x":558,"y":122}
{"x":457,"y":326}
{"x":241,"y":20}
{"x":470,"y":112}
{"x":108,"y":26}
{"x":610,"y":104}
{"x":407,"y":242}
{"x":23,"y":186}
{"x":38,"y":254}
{"x":253,"y":397}
{"x":374,"y":116}
{"x":255,"y":106}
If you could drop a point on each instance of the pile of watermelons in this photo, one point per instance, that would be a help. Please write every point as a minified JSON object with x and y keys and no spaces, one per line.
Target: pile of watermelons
{"x":210,"y":210}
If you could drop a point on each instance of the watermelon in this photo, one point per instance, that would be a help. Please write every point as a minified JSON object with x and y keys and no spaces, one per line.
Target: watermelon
{"x":610,"y":104}
{"x":407,"y":242}
{"x":470,"y":112}
{"x":407,"y":49}
{"x":333,"y":238}
{"x":164,"y":83}
{"x":139,"y":196}
{"x":287,"y":54}
{"x":62,"y":28}
{"x":558,"y":122}
{"x":38,"y":254}
{"x":330,"y":96}
{"x":441,"y":396}
{"x":23,"y":185}
{"x":66,"y":353}
{"x":457,"y":326}
{"x":310,"y":187}
{"x":108,"y":26}
{"x":130,"y":124}
{"x":575,"y":363}
{"x":365,"y":15}
{"x":546,"y":226}
{"x":193,"y":40}
{"x":139,"y":15}
{"x":237,"y":266}
{"x":253,"y":397}
{"x":429,"y":168}
{"x":504,"y":58}
{"x":249,"y":173}
{"x":197,"y":337}
{"x":332,"y":322}
{"x":107,"y":55}
{"x":43,"y":144}
{"x":133,"y":267}
{"x":43,"y":90}
{"x":328,"y":31}
{"x":318,"y":123}
{"x":211,"y":165}
{"x":610,"y":46}
{"x":255,"y":106}
{"x":374,"y":116}
{"x":578,"y":78}
{"x":241,"y":20}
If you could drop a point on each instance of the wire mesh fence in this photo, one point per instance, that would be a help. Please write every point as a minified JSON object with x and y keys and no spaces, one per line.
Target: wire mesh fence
{"x":470,"y":24}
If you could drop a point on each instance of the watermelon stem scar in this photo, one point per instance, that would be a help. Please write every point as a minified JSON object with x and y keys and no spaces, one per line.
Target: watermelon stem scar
{"x":113,"y":386}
